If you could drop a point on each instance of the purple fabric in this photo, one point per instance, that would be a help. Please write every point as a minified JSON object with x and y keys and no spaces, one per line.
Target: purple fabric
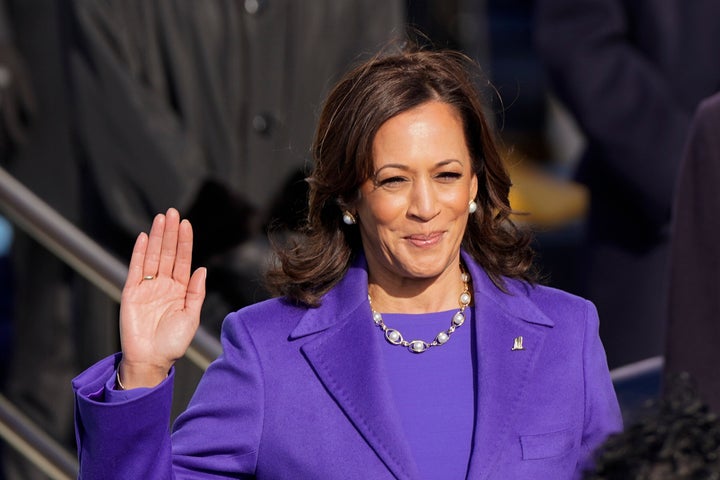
{"x":439,"y":432}
{"x":303,"y":394}
{"x":114,"y":396}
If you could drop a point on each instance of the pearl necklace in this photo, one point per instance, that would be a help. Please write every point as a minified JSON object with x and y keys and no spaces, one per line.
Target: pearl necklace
{"x":419,"y":346}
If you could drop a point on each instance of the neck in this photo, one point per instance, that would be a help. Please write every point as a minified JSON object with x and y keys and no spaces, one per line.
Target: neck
{"x":408,"y":295}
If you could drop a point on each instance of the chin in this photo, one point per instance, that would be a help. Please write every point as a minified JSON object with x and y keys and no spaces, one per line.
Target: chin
{"x":425,"y":269}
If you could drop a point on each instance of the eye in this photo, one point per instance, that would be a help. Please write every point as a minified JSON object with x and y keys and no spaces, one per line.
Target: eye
{"x":449,"y":176}
{"x":390,"y":181}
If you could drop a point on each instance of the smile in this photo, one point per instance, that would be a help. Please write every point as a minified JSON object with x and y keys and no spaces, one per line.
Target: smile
{"x":425,"y":240}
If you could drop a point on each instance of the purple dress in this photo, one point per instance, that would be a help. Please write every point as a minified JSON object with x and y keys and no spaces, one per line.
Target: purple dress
{"x":439,"y":432}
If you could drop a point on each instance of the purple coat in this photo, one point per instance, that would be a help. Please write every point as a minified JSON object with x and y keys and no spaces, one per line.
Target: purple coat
{"x":302,"y":393}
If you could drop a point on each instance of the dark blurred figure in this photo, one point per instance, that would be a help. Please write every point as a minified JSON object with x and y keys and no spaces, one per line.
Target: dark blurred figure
{"x":678,"y":438}
{"x":631,"y":72}
{"x":694,"y":298}
{"x":209,"y":107}
{"x":38,"y":152}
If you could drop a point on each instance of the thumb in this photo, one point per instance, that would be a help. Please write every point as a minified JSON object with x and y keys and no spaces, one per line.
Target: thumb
{"x":196,"y":291}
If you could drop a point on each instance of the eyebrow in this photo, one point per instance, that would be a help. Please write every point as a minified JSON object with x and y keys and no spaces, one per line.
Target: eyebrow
{"x":401,"y":166}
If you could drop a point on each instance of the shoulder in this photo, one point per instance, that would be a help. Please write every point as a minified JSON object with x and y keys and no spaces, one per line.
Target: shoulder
{"x":558,"y":305}
{"x":534,"y":303}
{"x":272,"y":313}
{"x":261,"y":329}
{"x":551,"y":297}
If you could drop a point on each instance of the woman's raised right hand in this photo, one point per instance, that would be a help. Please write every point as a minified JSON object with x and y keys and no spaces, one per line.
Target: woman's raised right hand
{"x":161,"y":301}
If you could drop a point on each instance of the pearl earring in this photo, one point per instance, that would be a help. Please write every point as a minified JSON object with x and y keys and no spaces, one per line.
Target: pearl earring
{"x":348,"y":218}
{"x":472,"y":206}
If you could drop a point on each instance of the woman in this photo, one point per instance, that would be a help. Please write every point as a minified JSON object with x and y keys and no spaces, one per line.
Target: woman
{"x":407,"y":341}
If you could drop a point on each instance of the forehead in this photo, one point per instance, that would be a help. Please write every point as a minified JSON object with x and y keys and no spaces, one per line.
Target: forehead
{"x":431,"y":129}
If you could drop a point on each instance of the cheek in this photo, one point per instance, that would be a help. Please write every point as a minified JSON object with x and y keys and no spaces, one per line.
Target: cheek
{"x":457,"y":201}
{"x":382,"y":211}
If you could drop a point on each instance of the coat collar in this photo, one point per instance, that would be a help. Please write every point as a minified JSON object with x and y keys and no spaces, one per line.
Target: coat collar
{"x":343,"y":351}
{"x":349,"y":294}
{"x":346,"y":296}
{"x":516,"y":303}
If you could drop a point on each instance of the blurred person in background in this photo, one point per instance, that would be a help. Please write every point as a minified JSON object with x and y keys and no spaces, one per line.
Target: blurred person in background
{"x":631,"y":73}
{"x":694,"y":303}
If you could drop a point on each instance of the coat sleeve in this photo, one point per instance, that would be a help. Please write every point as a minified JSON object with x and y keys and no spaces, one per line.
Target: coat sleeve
{"x":121,"y":440}
{"x":217,"y":437}
{"x":620,"y":99}
{"x":602,"y":412}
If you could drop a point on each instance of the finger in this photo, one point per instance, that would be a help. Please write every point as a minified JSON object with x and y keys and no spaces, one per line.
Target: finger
{"x":183,"y":260}
{"x":169,"y":243}
{"x":135,"y":270}
{"x":196,"y":292}
{"x":152,"y":255}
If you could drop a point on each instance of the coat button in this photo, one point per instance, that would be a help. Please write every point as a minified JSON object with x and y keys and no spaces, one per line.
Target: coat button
{"x":261,"y":124}
{"x":255,"y":7}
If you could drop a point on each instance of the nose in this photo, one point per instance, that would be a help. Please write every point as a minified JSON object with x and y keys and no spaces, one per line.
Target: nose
{"x":423,"y":202}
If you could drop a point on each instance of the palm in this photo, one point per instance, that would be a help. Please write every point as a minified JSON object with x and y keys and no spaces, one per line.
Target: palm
{"x":155,"y":320}
{"x":159,"y":316}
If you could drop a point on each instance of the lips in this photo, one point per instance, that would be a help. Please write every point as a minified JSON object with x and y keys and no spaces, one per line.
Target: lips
{"x":425,"y":240}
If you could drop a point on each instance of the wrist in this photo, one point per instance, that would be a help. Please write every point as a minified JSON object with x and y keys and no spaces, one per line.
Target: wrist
{"x":128,"y":376}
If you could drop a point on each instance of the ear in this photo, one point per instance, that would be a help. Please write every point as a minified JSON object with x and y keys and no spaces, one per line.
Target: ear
{"x":473,"y":187}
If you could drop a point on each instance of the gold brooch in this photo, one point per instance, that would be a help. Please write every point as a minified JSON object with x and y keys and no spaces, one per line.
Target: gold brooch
{"x":517,"y":344}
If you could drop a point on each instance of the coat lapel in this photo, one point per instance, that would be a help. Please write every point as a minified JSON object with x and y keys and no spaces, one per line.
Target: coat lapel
{"x":347,"y":360}
{"x":503,"y":373}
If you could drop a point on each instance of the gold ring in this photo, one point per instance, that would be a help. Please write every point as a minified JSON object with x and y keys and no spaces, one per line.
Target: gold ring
{"x":149,"y":277}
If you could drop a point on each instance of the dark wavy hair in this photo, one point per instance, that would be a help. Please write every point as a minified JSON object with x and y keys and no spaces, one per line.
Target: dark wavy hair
{"x":363,"y":100}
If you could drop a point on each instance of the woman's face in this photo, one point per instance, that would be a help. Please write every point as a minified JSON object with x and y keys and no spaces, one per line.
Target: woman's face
{"x":414,"y":209}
